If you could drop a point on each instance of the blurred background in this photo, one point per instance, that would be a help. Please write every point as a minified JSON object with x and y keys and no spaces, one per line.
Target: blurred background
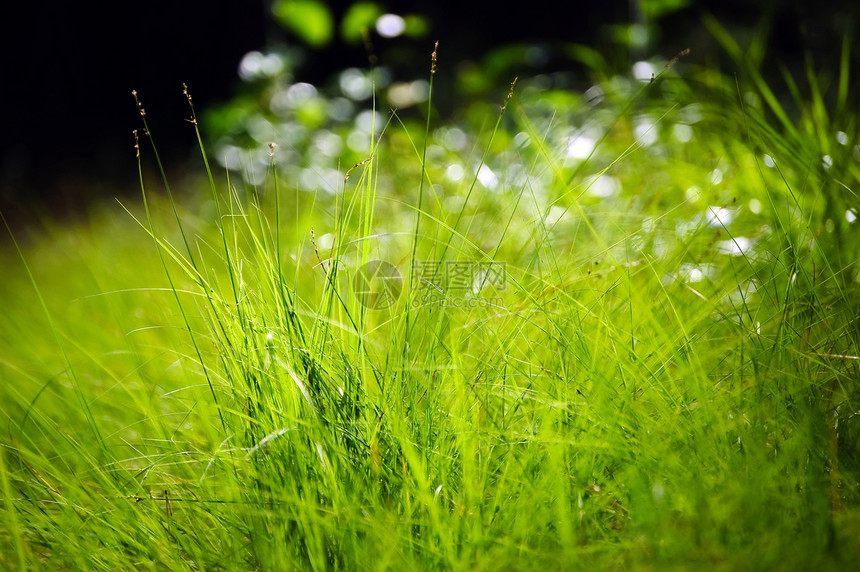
{"x":69,"y":68}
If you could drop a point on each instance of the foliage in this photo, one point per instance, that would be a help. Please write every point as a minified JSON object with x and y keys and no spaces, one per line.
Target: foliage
{"x":310,"y":20}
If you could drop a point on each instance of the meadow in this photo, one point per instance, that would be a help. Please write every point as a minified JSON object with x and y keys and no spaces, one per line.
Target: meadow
{"x":608,"y":329}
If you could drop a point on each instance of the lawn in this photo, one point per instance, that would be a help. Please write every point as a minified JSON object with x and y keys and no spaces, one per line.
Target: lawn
{"x":611,"y":329}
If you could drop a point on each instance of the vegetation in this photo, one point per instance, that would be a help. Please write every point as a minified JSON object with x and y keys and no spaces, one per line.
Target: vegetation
{"x":609,"y":329}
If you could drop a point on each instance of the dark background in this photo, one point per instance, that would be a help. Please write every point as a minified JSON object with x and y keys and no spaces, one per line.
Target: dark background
{"x":69,"y":67}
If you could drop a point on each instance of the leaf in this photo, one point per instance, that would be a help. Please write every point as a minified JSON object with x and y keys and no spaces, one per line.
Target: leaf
{"x":655,"y":9}
{"x":360,"y":16}
{"x":416,"y":26}
{"x":310,"y":20}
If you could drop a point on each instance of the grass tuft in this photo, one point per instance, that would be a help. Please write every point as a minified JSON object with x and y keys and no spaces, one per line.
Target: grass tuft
{"x":621,"y":332}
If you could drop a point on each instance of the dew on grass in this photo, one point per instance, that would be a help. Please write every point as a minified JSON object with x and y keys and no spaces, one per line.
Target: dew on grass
{"x":325,"y":241}
{"x":826,"y":161}
{"x":691,"y":273}
{"x":603,"y":186}
{"x":660,"y":246}
{"x":691,"y":114}
{"x":369,"y":121}
{"x":358,"y":141}
{"x":278,"y":103}
{"x":580,"y":146}
{"x":682,"y":132}
{"x":841,"y":137}
{"x":539,"y":186}
{"x":554,"y":215}
{"x":850,"y":215}
{"x":685,"y":228}
{"x":327,"y":180}
{"x":400,"y":95}
{"x":406,"y":94}
{"x":693,"y":193}
{"x":516,"y":174}
{"x":768,"y":161}
{"x":250,"y":65}
{"x":255,"y":174}
{"x":736,"y":246}
{"x":436,"y":154}
{"x":649,"y":224}
{"x":486,"y":277}
{"x":390,"y":25}
{"x":453,"y":203}
{"x":355,"y":84}
{"x":260,"y":129}
{"x":658,"y":492}
{"x":755,"y":206}
{"x":752,"y":99}
{"x":420,"y":90}
{"x":644,"y":71}
{"x":292,"y":97}
{"x":340,"y":109}
{"x":593,"y":95}
{"x":487,"y":177}
{"x":715,"y":177}
{"x":719,"y":216}
{"x":291,"y":134}
{"x":454,"y":139}
{"x":256,"y":65}
{"x":522,"y":140}
{"x":454,"y":172}
{"x":645,"y":131}
{"x":284,"y":156}
{"x":328,"y":143}
{"x":229,"y":157}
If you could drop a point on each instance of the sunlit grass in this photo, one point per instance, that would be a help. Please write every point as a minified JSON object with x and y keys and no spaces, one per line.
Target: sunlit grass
{"x":622,"y":334}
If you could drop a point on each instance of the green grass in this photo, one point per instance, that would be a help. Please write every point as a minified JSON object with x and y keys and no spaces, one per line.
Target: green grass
{"x":664,"y":377}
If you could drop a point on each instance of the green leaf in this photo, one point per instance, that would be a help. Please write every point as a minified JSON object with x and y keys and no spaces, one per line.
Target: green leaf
{"x":310,"y":20}
{"x":658,"y":8}
{"x":360,"y":16}
{"x":416,"y":26}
